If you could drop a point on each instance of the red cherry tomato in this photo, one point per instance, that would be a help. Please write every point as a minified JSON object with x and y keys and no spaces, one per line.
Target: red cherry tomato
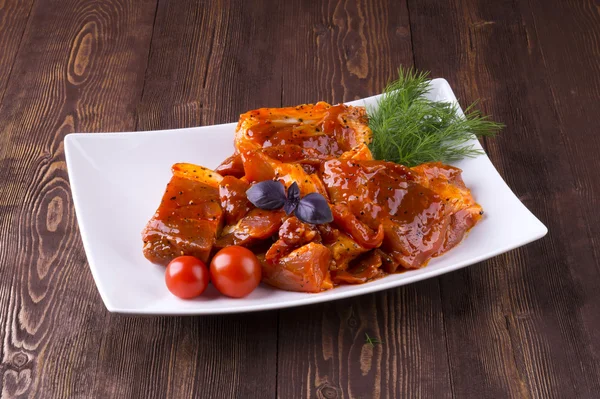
{"x":186,"y":277}
{"x":235,"y":271}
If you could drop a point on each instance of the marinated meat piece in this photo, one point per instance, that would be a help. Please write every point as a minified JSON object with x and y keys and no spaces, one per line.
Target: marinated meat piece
{"x":330,"y":130}
{"x":412,"y":244}
{"x":257,"y":225}
{"x":259,"y":167}
{"x":356,"y":229}
{"x":309,"y":158}
{"x":305,"y":269}
{"x":232,"y":166}
{"x":417,"y":220}
{"x":235,"y":204}
{"x":447,"y":182}
{"x":292,"y":153}
{"x":362,"y":152}
{"x":197,"y":173}
{"x":188,"y":218}
{"x":343,"y":250}
{"x":372,"y":190}
{"x":328,"y":234}
{"x":293,"y":233}
{"x":363,"y":269}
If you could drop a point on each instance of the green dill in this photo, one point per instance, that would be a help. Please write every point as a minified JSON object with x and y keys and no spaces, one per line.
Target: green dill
{"x":410,"y":129}
{"x":371,"y":341}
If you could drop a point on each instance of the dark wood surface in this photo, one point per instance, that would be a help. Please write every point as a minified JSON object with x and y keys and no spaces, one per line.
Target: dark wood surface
{"x":524,"y":324}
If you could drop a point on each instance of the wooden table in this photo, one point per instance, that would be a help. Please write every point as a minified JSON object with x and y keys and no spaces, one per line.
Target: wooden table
{"x":524,"y":324}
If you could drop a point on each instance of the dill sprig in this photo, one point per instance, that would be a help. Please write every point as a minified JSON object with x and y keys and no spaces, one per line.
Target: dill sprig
{"x":410,"y":129}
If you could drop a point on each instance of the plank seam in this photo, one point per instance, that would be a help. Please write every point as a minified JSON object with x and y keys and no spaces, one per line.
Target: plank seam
{"x":137,"y":111}
{"x":208,"y":59}
{"x":446,"y":338}
{"x":206,"y":69}
{"x":281,"y":97}
{"x":277,"y":357}
{"x":410,"y":31}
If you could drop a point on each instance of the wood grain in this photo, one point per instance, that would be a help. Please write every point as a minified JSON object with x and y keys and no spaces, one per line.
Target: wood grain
{"x":79,"y":68}
{"x":349,"y":50}
{"x":323,"y":351}
{"x":210,"y":62}
{"x":14,"y":15}
{"x":343,"y":50}
{"x":525,"y":323}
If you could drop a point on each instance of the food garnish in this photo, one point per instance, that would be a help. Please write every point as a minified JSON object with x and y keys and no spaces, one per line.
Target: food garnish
{"x":270,"y":195}
{"x":235,"y":271}
{"x":410,"y":129}
{"x":186,"y":277}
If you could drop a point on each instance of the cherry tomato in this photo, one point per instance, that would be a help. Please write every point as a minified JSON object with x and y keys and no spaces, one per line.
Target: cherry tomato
{"x":186,"y":277}
{"x":235,"y":271}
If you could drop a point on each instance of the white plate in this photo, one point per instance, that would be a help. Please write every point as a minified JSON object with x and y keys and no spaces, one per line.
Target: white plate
{"x":118,"y":180}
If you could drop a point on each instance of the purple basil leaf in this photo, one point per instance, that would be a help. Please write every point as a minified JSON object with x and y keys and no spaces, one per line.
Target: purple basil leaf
{"x":267,"y":194}
{"x":293,"y":196}
{"x":289,"y":207}
{"x":314,"y":209}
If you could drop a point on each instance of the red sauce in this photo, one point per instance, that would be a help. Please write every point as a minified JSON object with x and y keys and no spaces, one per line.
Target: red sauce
{"x":414,"y":217}
{"x":327,"y":135}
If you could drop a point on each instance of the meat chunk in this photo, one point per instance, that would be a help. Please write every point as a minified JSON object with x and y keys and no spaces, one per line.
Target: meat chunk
{"x":305,"y":269}
{"x":359,"y":231}
{"x":231,"y":166}
{"x":289,"y":144}
{"x":293,"y":234}
{"x":328,"y":130}
{"x":423,"y":212}
{"x":259,"y":167}
{"x":363,"y":269}
{"x":188,"y":218}
{"x":343,"y":250}
{"x":232,"y":192}
{"x":447,"y":182}
{"x":257,"y":225}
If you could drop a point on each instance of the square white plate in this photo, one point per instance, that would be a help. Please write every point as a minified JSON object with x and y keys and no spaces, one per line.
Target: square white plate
{"x":118,"y":180}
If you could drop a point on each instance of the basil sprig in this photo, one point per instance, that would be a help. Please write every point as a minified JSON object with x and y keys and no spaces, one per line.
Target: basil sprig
{"x":270,"y":195}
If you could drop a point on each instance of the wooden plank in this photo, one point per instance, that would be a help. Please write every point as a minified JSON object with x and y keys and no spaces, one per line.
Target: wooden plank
{"x":323,"y":351}
{"x":525,"y":323}
{"x":79,"y":68}
{"x":14,"y":15}
{"x":187,"y":357}
{"x":208,"y":63}
{"x":347,"y":50}
{"x":568,"y":35}
{"x":211,"y":63}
